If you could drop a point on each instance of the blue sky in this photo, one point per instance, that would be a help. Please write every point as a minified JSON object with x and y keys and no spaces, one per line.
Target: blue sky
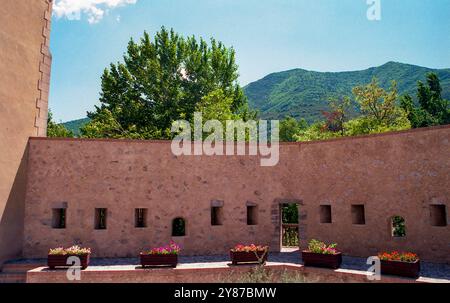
{"x":268,"y":36}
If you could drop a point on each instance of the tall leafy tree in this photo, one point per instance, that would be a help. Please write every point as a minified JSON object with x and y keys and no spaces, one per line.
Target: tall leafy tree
{"x":432,"y":109}
{"x":429,"y":95}
{"x":414,"y":115}
{"x":339,"y":114}
{"x":379,"y":108}
{"x":216,"y":106}
{"x":163,"y":80}
{"x":377,"y":103}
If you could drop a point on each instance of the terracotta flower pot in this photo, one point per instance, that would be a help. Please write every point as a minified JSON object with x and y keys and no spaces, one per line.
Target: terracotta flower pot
{"x":400,"y":268}
{"x":159,"y":260}
{"x":321,"y":260}
{"x":54,"y":261}
{"x":248,"y":257}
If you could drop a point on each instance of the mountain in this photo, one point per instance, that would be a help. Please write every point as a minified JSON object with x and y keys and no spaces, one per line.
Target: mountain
{"x":75,"y":125}
{"x":303,"y":94}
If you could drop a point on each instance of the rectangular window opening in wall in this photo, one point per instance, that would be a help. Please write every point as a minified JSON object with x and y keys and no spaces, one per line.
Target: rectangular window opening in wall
{"x":59,"y":218}
{"x":438,"y":215}
{"x":140,"y":217}
{"x":100,"y":218}
{"x":216,"y":215}
{"x":252,"y":215}
{"x":358,"y":215}
{"x":325,"y":213}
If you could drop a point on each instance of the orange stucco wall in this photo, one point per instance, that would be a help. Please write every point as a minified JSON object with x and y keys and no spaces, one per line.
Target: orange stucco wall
{"x":390,"y":174}
{"x":24,"y":85}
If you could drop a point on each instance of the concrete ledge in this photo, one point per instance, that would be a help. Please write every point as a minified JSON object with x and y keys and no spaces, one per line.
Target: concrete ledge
{"x":218,"y":272}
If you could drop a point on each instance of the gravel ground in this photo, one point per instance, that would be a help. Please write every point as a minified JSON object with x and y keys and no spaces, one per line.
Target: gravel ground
{"x":428,"y":270}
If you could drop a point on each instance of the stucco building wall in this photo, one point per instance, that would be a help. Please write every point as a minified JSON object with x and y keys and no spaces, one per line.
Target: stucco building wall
{"x":24,"y":84}
{"x":390,"y":174}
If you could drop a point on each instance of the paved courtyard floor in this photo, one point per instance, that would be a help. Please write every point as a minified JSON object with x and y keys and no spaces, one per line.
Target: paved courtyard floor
{"x":289,"y":256}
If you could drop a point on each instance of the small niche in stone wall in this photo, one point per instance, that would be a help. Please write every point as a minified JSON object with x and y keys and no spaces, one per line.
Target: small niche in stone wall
{"x":216,"y":212}
{"x":358,"y":215}
{"x":438,"y":215}
{"x":325,"y":214}
{"x":252,"y":214}
{"x":59,"y":218}
{"x":100,"y":218}
{"x":178,"y":227}
{"x":140,"y":217}
{"x":398,"y":227}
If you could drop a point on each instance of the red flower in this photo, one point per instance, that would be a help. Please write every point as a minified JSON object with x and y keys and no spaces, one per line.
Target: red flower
{"x":397,"y":256}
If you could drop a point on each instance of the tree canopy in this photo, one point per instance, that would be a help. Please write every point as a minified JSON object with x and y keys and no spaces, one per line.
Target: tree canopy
{"x":379,"y":113}
{"x":432,"y":108}
{"x":170,"y":77}
{"x":164,"y":80}
{"x":289,"y":127}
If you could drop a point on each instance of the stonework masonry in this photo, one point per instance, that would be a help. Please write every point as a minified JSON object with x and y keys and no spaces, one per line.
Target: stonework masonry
{"x":402,"y":173}
{"x":44,"y":70}
{"x":364,"y":181}
{"x":24,"y":84}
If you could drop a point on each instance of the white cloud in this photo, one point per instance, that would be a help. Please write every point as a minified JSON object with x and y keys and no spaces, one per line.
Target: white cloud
{"x":95,"y":10}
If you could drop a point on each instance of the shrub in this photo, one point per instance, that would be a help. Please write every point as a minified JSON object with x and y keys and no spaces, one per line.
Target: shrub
{"x":319,"y":247}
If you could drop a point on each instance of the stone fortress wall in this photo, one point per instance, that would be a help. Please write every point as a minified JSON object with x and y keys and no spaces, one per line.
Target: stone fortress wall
{"x":25,"y":63}
{"x":358,"y":184}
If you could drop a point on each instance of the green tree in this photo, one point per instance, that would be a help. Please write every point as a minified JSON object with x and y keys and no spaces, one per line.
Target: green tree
{"x":432,"y":109}
{"x":316,"y":131}
{"x":339,"y":114}
{"x":407,"y":104}
{"x":379,"y":113}
{"x":161,"y":81}
{"x":376,"y":103}
{"x":379,"y":110}
{"x":216,"y":106}
{"x":105,"y":125}
{"x":55,"y":130}
{"x":429,"y":95}
{"x":290,"y":127}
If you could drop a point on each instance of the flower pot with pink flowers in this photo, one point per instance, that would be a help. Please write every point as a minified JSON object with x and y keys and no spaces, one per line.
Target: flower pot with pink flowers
{"x":249,"y":254}
{"x":63,"y":257}
{"x":322,"y":255}
{"x":161,"y":256}
{"x":405,"y":264}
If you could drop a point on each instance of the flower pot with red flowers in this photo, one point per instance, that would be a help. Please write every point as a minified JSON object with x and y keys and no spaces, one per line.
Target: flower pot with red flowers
{"x":161,"y":256}
{"x":249,"y":254}
{"x":321,"y":255}
{"x":64,"y":257}
{"x":405,"y":264}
